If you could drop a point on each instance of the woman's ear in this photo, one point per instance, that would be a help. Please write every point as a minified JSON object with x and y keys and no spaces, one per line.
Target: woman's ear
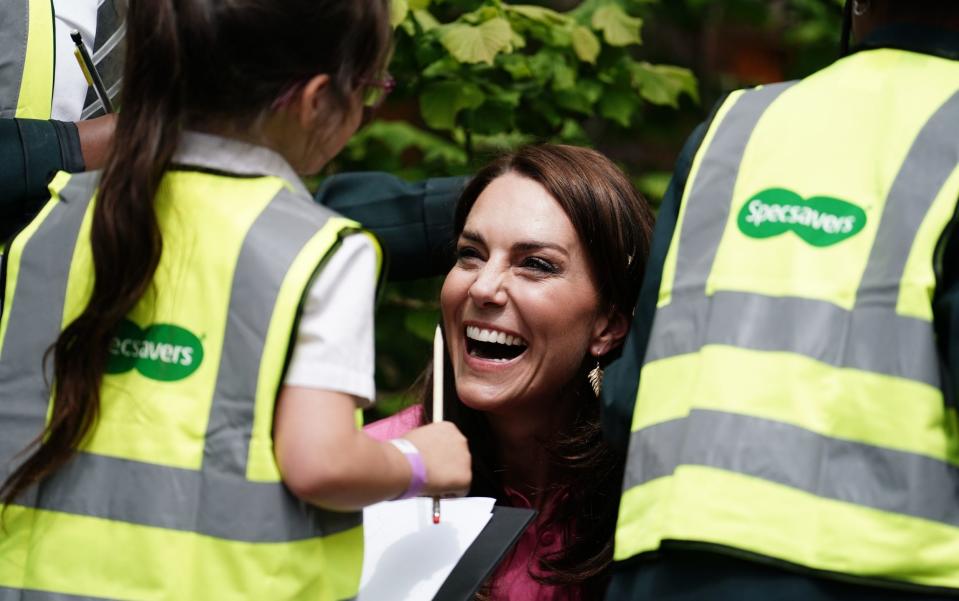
{"x":609,"y":332}
{"x":309,"y":102}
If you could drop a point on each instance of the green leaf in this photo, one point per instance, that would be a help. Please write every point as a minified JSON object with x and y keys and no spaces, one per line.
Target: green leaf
{"x":663,"y":84}
{"x":419,"y":4}
{"x":399,"y":136}
{"x":516,"y":65}
{"x":616,"y":69}
{"x":398,"y":11}
{"x":516,"y":40}
{"x":574,"y":101}
{"x":564,"y":76}
{"x":446,"y":66}
{"x":572,"y":132}
{"x":490,"y":9}
{"x":585,"y":44}
{"x":619,"y":28}
{"x":543,"y":24}
{"x":619,"y":105}
{"x":541,"y":66}
{"x":425,"y":19}
{"x":580,"y":98}
{"x":441,"y":102}
{"x":551,"y":65}
{"x":540,"y":14}
{"x":507,"y":95}
{"x":477,"y":44}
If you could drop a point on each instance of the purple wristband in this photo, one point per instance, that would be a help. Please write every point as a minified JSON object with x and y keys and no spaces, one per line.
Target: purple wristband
{"x":417,"y":467}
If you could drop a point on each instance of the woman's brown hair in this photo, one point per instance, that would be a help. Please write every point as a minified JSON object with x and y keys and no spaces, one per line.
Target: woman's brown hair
{"x":189,"y":63}
{"x":614,"y":223}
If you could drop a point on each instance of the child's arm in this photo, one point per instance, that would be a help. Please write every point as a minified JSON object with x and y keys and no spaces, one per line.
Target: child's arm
{"x":327,"y":461}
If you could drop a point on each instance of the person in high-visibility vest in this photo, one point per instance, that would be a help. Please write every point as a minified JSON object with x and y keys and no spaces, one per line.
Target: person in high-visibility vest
{"x":186,"y":337}
{"x":39,"y":75}
{"x":26,"y":59}
{"x":44,"y":95}
{"x":794,"y":434}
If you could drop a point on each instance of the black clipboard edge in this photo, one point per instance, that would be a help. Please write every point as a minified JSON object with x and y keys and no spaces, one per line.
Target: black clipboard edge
{"x":487,"y":551}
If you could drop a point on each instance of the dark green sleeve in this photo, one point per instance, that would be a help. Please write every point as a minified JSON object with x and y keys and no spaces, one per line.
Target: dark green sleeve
{"x":945,"y":311}
{"x":621,"y":380}
{"x":414,"y":221}
{"x":31,"y":152}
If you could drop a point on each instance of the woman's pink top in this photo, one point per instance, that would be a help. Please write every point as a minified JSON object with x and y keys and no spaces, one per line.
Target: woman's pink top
{"x":512,"y":580}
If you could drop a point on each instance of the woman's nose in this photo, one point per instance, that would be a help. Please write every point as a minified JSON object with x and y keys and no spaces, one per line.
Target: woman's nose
{"x":488,"y":287}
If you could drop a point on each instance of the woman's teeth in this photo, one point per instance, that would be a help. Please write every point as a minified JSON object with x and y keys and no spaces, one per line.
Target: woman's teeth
{"x":484,"y":335}
{"x":493,"y":345}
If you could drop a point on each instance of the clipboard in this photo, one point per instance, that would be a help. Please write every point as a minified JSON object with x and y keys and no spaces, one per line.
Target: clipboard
{"x":487,"y":551}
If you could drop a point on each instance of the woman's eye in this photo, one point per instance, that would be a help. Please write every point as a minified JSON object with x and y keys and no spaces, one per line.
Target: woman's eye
{"x":539,"y":264}
{"x":466,"y":252}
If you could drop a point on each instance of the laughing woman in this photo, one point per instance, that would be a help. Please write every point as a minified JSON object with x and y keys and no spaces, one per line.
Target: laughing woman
{"x":551,"y":246}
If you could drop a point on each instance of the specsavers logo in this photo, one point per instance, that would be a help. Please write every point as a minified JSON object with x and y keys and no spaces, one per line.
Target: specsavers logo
{"x":820,"y":220}
{"x":161,"y":352}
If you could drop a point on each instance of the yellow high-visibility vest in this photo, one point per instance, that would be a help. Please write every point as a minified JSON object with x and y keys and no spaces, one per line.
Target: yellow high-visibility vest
{"x":175,"y":494}
{"x":27,"y":59}
{"x":790,"y":404}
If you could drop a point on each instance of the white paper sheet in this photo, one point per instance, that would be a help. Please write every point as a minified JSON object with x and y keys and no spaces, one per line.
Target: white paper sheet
{"x":407,"y":557}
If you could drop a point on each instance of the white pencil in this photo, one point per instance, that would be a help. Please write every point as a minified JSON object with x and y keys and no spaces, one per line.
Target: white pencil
{"x":437,"y":398}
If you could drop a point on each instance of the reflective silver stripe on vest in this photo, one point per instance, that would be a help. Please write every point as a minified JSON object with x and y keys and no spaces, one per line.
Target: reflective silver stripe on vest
{"x":217,"y":500}
{"x":269,"y":249}
{"x":36,"y":313}
{"x":872,"y":337}
{"x":14,"y":24}
{"x":932,"y":158}
{"x":831,"y":468}
{"x":10,"y":594}
{"x":707,"y":208}
{"x":866,"y":338}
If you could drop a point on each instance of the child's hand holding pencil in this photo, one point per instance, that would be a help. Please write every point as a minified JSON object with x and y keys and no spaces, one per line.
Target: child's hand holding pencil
{"x":443,"y":447}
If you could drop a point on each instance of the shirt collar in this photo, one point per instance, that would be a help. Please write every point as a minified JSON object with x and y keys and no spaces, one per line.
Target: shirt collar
{"x":231,"y":156}
{"x":914,"y":38}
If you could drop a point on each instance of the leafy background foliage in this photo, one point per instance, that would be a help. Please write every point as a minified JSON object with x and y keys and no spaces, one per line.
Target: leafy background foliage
{"x":489,"y":75}
{"x":630,"y":77}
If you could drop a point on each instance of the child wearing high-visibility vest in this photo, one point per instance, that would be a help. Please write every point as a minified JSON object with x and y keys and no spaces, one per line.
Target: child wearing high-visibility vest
{"x":191,"y":434}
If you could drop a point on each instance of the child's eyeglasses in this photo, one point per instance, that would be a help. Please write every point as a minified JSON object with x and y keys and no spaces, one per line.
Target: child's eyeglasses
{"x":376,"y":90}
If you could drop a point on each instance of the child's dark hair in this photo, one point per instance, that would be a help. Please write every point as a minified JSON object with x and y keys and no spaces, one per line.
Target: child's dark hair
{"x":188,"y":63}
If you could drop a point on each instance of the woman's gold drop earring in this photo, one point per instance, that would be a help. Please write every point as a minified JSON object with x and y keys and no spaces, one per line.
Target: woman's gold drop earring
{"x":595,"y":377}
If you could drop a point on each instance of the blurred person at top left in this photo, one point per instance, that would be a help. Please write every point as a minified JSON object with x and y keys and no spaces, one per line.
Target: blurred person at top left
{"x":186,"y":336}
{"x":50,"y":118}
{"x":39,"y":75}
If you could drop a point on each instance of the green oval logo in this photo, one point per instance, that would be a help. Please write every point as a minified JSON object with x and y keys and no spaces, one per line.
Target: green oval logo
{"x":820,"y":220}
{"x":162,"y":352}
